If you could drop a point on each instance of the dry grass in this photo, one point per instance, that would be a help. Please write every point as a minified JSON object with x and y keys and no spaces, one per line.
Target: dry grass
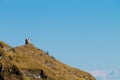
{"x":28,"y":57}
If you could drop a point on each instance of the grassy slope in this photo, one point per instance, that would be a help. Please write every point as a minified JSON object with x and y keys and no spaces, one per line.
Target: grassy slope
{"x":23,"y":60}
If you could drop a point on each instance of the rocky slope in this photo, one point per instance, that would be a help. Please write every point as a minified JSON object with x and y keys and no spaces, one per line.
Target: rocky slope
{"x":30,"y":63}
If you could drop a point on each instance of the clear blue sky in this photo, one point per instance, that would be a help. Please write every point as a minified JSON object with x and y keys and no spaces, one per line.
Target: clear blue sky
{"x":82,"y":33}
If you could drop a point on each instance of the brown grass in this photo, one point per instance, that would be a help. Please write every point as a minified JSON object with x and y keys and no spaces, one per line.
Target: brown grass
{"x":28,"y":57}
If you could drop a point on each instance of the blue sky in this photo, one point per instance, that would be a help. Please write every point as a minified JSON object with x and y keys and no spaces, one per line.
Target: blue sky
{"x":81,"y":33}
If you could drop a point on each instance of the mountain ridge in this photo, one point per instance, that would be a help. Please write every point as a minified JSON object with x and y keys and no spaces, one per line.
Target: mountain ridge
{"x":27,"y":62}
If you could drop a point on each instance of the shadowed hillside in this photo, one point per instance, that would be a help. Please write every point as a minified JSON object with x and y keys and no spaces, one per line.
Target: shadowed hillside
{"x":30,"y":63}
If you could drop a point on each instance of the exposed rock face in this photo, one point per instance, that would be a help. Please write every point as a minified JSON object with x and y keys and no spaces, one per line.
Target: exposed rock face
{"x":30,"y":63}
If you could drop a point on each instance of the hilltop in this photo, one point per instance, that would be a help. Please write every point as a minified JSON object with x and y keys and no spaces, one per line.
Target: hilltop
{"x":30,"y":63}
